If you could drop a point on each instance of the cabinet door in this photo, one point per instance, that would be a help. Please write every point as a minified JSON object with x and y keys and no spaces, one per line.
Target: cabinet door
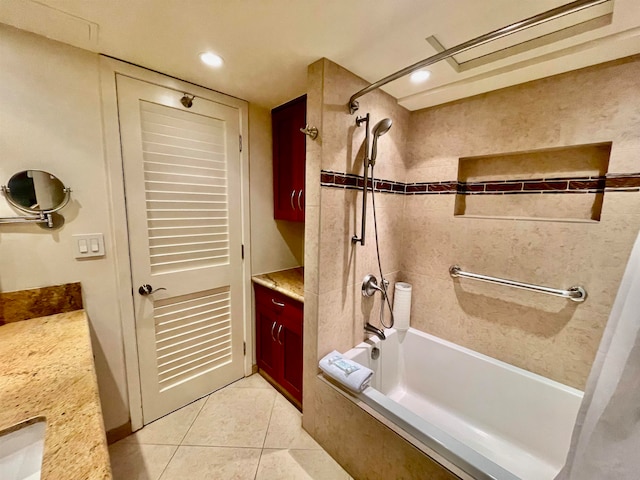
{"x":290,"y":339}
{"x":267,"y":349}
{"x":289,"y":156}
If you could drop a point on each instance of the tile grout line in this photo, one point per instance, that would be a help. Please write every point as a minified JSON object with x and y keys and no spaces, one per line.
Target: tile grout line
{"x":195,"y":418}
{"x":183,"y":437}
{"x":273,"y":406}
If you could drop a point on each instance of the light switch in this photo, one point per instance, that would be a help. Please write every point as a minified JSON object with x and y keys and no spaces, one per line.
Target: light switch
{"x":88,"y":245}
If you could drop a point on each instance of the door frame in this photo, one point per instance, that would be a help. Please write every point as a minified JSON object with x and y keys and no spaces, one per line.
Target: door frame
{"x":109,"y":68}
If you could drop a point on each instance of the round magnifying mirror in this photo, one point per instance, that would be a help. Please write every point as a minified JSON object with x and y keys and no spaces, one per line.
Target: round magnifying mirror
{"x":36,"y":191}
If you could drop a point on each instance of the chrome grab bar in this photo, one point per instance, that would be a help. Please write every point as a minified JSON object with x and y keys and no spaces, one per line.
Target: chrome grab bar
{"x":576,"y":293}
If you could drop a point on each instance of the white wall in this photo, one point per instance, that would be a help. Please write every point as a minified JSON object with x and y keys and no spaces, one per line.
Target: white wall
{"x":50,"y":119}
{"x":276,"y":245}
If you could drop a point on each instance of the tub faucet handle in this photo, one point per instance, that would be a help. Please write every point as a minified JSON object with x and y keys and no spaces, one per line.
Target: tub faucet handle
{"x":370,"y":286}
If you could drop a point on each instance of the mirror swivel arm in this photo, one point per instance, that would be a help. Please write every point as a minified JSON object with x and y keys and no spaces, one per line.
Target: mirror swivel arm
{"x":42,"y":217}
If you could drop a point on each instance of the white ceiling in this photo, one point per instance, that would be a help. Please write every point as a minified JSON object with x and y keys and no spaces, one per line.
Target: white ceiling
{"x":267,"y":44}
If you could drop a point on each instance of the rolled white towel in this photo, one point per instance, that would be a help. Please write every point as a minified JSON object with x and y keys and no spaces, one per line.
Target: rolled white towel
{"x":351,"y":374}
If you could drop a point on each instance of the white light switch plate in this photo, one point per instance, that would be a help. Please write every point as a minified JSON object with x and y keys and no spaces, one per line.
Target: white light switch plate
{"x":88,"y":245}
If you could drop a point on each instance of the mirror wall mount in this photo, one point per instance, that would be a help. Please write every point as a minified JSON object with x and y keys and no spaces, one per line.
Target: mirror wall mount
{"x":38,"y":193}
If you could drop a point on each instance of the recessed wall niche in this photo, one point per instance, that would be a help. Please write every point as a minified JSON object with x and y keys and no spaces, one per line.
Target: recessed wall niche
{"x":564,"y":183}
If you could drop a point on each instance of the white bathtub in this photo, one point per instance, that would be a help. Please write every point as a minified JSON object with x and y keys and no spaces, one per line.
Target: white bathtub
{"x":490,"y":419}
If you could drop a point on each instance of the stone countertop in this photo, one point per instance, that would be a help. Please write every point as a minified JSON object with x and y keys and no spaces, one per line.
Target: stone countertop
{"x":47,"y":369}
{"x":288,"y":282}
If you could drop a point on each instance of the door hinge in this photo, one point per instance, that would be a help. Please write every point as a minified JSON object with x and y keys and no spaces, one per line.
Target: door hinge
{"x":244,"y":348}
{"x":240,"y":142}
{"x":243,"y":251}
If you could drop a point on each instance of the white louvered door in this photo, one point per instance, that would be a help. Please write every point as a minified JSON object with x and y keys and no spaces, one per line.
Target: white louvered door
{"x":183,"y":186}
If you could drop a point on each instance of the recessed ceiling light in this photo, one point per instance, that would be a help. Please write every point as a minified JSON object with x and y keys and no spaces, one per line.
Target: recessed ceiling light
{"x":211,"y":59}
{"x":420,"y":76}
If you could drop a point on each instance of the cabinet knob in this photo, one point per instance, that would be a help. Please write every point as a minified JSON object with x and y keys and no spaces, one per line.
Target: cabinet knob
{"x":273,"y":326}
{"x":279,"y":332}
{"x":277,"y":303}
{"x":299,"y":197}
{"x":293,"y":194}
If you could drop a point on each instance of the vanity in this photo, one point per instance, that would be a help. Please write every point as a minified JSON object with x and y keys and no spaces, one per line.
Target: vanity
{"x":279,"y":307}
{"x":49,"y":391}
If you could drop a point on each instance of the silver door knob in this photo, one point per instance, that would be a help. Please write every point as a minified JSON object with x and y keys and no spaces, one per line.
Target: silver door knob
{"x":147,"y":289}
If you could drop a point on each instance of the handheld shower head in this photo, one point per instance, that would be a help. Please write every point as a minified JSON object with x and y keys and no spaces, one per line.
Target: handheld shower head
{"x":380,"y":128}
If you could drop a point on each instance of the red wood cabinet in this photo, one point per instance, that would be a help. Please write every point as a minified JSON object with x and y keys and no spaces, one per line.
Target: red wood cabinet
{"x":279,"y":341}
{"x":289,"y":156}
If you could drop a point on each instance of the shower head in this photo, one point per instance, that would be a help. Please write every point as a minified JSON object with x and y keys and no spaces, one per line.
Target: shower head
{"x":382,"y":127}
{"x":379,"y":129}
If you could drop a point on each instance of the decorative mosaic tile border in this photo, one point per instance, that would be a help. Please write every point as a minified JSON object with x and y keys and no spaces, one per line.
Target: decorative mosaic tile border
{"x":618,"y":182}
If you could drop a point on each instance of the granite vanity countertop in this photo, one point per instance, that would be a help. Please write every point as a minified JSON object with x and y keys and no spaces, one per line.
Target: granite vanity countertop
{"x":288,"y":282}
{"x":47,"y":369}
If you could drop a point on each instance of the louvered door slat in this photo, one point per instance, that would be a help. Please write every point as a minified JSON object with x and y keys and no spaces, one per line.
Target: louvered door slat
{"x":174,"y":147}
{"x":176,"y":159}
{"x":172,"y":225}
{"x":182,"y":323}
{"x":177,"y":178}
{"x":182,"y":170}
{"x":175,"y":118}
{"x":183,"y":237}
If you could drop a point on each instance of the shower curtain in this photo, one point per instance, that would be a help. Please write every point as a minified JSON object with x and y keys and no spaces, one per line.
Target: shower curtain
{"x":606,"y":438}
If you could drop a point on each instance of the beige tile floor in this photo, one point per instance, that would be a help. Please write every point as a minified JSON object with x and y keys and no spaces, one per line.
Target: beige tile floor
{"x":244,"y":431}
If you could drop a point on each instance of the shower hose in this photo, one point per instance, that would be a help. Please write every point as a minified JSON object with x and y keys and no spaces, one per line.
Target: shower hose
{"x":383,"y":281}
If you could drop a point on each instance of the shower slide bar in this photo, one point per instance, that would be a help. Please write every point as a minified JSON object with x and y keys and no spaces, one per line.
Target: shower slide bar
{"x":549,"y":15}
{"x":575,"y":293}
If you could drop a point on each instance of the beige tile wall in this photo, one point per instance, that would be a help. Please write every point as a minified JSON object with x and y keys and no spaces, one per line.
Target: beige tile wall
{"x":546,"y":335}
{"x":420,"y":238}
{"x":335,"y":310}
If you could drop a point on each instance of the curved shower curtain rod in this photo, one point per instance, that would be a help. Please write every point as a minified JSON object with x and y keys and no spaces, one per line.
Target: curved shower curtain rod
{"x":481,"y":40}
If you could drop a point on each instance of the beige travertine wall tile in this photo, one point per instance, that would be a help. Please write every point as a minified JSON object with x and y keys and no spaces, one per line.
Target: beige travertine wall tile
{"x":343,"y":141}
{"x":390,"y":230}
{"x":586,"y":106}
{"x":624,"y":155}
{"x":435,"y":170}
{"x":573,"y":161}
{"x":546,"y":335}
{"x":314,"y":147}
{"x":425,"y":233}
{"x":336,"y":324}
{"x":311,"y":248}
{"x":309,"y":360}
{"x":366,"y":448}
{"x":555,"y":338}
{"x":534,"y":206}
{"x":337,"y":255}
{"x":335,"y":317}
{"x":620,"y":202}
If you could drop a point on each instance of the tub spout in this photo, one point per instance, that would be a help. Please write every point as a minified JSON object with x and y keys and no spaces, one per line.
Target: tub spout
{"x":370,"y":328}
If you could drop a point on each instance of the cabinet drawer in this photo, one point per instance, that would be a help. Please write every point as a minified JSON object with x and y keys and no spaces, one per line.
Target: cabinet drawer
{"x":278,"y":303}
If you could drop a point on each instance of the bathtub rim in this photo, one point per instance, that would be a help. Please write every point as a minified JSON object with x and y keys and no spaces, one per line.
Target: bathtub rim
{"x":397,"y":429}
{"x":442,"y":448}
{"x":480,"y":356}
{"x":429,"y":439}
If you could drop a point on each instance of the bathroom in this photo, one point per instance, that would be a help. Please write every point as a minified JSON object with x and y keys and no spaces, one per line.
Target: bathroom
{"x":53,"y":91}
